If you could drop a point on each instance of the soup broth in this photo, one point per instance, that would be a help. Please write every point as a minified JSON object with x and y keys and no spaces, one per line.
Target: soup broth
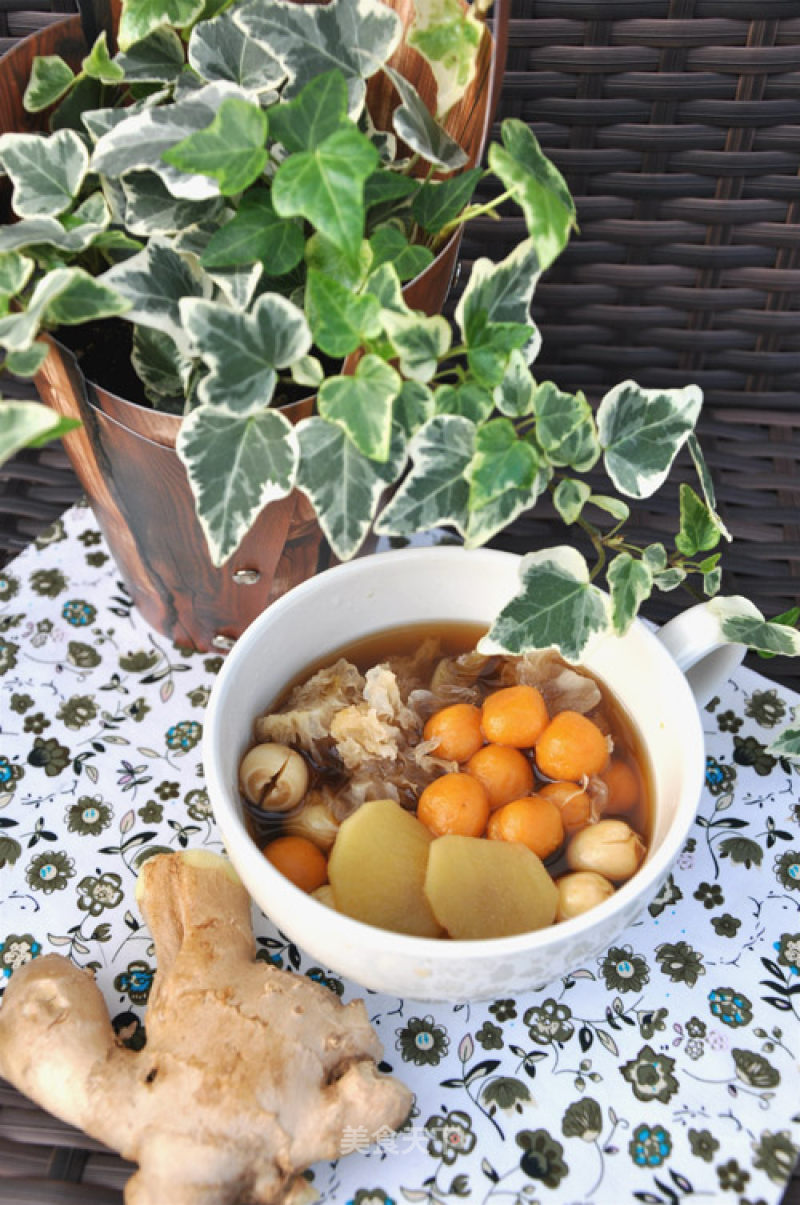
{"x":358,"y":720}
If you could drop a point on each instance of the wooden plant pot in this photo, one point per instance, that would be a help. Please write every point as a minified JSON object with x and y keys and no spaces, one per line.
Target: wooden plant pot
{"x":124,"y":452}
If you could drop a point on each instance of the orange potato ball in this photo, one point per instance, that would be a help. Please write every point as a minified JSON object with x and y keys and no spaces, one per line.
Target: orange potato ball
{"x":503,"y":771}
{"x":623,"y":786}
{"x":299,"y":860}
{"x":454,"y":804}
{"x":534,"y":822}
{"x":515,"y":715}
{"x":573,"y":803}
{"x":570,"y":747}
{"x":456,"y":730}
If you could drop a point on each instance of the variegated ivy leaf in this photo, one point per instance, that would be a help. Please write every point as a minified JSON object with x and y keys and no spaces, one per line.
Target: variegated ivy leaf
{"x":630,"y":583}
{"x":29,"y":425}
{"x":355,"y":36}
{"x":420,"y":342}
{"x":72,"y":233}
{"x":220,"y":50}
{"x":318,"y":111}
{"x":231,"y":149}
{"x":642,"y":431}
{"x":99,"y":65}
{"x":669,"y":579}
{"x":537,"y":186}
{"x":384,"y":283}
{"x":416,"y":126}
{"x":712,"y":580}
{"x":65,"y":295}
{"x":506,"y":477}
{"x":238,"y":285}
{"x":448,"y":36}
{"x":159,"y":365}
{"x":468,"y":399}
{"x":741,"y":622}
{"x":699,"y":532}
{"x":570,"y":497}
{"x":155,"y":281}
{"x":515,"y":393}
{"x":27,"y":363}
{"x":565,"y":427}
{"x":343,"y":486}
{"x":324,"y":256}
{"x":236,"y":465}
{"x":493,"y":313}
{"x":656,"y":557}
{"x":326,"y":186}
{"x":255,"y":233}
{"x":787,"y":743}
{"x":156,"y":59}
{"x":502,"y":461}
{"x":706,"y":482}
{"x":556,"y":607}
{"x":47,"y":171}
{"x":413,"y":406}
{"x":340,"y":320}
{"x":84,"y":299}
{"x":492,"y":518}
{"x":50,"y":79}
{"x":245,"y":351}
{"x":362,"y":405}
{"x":100,"y":121}
{"x":150,"y":208}
{"x":440,"y":202}
{"x":388,"y":188}
{"x":390,"y":245}
{"x":139,"y":140}
{"x":435,"y":492}
{"x":142,"y":17}
{"x":15,"y":272}
{"x":615,"y":507}
{"x":308,"y":371}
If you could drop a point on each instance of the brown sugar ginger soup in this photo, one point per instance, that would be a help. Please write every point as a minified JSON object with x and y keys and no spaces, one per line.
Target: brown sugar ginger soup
{"x":416,"y":785}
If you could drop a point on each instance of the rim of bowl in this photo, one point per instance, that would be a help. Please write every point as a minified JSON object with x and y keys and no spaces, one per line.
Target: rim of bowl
{"x":228,"y":813}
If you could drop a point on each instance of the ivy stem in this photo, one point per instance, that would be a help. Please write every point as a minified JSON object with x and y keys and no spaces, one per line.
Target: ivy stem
{"x":475,"y":211}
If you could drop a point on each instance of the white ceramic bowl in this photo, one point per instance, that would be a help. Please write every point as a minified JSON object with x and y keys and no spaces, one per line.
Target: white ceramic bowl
{"x":412,"y":586}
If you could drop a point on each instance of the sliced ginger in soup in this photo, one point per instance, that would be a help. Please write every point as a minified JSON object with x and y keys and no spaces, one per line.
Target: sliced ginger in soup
{"x":377,"y":869}
{"x":481,"y":889}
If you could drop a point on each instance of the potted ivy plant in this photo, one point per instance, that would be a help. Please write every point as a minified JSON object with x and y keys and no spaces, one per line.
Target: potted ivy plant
{"x":254,"y":215}
{"x":265,"y":160}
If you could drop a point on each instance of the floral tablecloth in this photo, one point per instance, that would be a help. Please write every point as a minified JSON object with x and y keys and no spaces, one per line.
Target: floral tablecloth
{"x":662,"y":1071}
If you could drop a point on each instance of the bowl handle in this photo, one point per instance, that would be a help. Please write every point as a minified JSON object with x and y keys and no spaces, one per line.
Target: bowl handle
{"x":693,"y":640}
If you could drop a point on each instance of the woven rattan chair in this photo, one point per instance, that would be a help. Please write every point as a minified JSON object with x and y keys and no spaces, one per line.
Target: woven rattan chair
{"x":677,"y":126}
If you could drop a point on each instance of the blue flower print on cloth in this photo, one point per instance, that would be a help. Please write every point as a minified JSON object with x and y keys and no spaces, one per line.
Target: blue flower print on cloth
{"x":663,"y":1070}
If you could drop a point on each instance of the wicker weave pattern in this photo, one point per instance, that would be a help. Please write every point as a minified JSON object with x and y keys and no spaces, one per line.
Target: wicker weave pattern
{"x":18,"y":19}
{"x":677,"y":126}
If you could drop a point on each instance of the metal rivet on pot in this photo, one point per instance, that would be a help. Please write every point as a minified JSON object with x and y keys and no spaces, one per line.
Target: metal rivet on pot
{"x":225,"y":643}
{"x":246,"y":577}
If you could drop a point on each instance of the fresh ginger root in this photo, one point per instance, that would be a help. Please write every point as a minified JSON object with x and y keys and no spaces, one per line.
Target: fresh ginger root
{"x":250,"y":1074}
